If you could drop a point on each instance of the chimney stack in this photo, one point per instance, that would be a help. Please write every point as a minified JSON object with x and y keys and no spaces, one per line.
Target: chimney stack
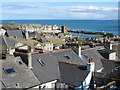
{"x":110,"y":46}
{"x":79,"y":51}
{"x":29,"y":57}
{"x":90,"y":60}
{"x":91,"y":65}
{"x":26,"y":33}
{"x":29,"y":60}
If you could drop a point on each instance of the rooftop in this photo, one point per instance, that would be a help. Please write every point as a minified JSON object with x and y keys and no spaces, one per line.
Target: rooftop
{"x":12,"y":69}
{"x":71,"y":74}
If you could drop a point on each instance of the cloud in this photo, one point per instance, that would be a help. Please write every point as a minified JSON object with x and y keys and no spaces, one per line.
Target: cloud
{"x":14,"y":12}
{"x":47,"y":11}
{"x":91,"y":8}
{"x":18,"y":6}
{"x":88,"y":15}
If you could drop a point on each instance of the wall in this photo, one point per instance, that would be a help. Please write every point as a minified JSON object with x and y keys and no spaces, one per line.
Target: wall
{"x":112,"y":56}
{"x":88,"y":78}
{"x":48,"y":46}
{"x":49,"y":85}
{"x":11,"y":51}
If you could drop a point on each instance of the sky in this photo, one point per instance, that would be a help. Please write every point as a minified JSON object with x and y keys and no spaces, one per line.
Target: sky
{"x":59,"y":10}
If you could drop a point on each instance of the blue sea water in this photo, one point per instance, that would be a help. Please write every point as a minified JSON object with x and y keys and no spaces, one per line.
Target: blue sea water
{"x":108,"y":26}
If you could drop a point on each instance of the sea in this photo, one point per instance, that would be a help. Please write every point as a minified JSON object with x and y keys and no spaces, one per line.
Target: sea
{"x":107,"y":26}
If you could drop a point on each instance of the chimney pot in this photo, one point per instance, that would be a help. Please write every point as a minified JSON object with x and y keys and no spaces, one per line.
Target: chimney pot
{"x":90,"y":60}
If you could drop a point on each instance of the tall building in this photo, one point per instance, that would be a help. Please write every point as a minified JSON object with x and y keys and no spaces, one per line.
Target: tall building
{"x":64,"y":29}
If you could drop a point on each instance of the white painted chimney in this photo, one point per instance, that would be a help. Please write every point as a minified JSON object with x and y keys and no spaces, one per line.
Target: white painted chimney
{"x":91,"y":65}
{"x":110,"y":46}
{"x":29,"y":60}
{"x":79,"y":51}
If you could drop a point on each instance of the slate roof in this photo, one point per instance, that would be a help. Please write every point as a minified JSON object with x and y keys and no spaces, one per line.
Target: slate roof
{"x":72,"y":74}
{"x":21,"y":74}
{"x":109,"y":65}
{"x":3,"y":45}
{"x":6,"y":27}
{"x":47,"y":72}
{"x":93,"y":53}
{"x":116,"y":47}
{"x":106,"y":51}
{"x":50,"y":70}
{"x":73,"y":57}
{"x":56,"y":41}
{"x":6,"y":42}
{"x":14,"y":33}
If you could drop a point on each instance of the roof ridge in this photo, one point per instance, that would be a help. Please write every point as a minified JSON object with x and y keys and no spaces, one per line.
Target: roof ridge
{"x":70,"y":63}
{"x":60,"y":50}
{"x":110,"y":60}
{"x":115,"y":43}
{"x":92,"y":48}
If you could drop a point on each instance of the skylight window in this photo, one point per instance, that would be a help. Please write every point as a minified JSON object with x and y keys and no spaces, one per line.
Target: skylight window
{"x":41,"y":62}
{"x":67,"y":57}
{"x":10,"y":70}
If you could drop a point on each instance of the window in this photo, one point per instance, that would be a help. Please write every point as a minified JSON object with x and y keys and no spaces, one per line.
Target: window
{"x":41,"y":62}
{"x":10,"y":70}
{"x":67,"y":57}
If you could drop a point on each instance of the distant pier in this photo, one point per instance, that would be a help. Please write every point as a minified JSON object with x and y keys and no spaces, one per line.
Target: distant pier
{"x":85,"y":32}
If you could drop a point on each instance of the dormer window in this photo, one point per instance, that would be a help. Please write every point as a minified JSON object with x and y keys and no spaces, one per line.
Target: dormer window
{"x":67,"y":57}
{"x":10,"y":70}
{"x":41,"y":62}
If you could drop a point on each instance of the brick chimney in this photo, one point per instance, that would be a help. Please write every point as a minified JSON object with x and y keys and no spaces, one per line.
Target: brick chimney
{"x":90,"y":60}
{"x":91,"y":65}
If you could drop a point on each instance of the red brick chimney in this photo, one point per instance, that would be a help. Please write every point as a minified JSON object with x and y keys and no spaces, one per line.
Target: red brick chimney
{"x":90,"y":60}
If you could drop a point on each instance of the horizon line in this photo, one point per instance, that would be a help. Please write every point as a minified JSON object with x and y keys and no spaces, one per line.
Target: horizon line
{"x":58,"y":19}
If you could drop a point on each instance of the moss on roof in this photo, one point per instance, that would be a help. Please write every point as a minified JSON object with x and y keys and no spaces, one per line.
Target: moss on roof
{"x":33,"y":42}
{"x":56,"y":40}
{"x":16,"y":39}
{"x":3,"y":47}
